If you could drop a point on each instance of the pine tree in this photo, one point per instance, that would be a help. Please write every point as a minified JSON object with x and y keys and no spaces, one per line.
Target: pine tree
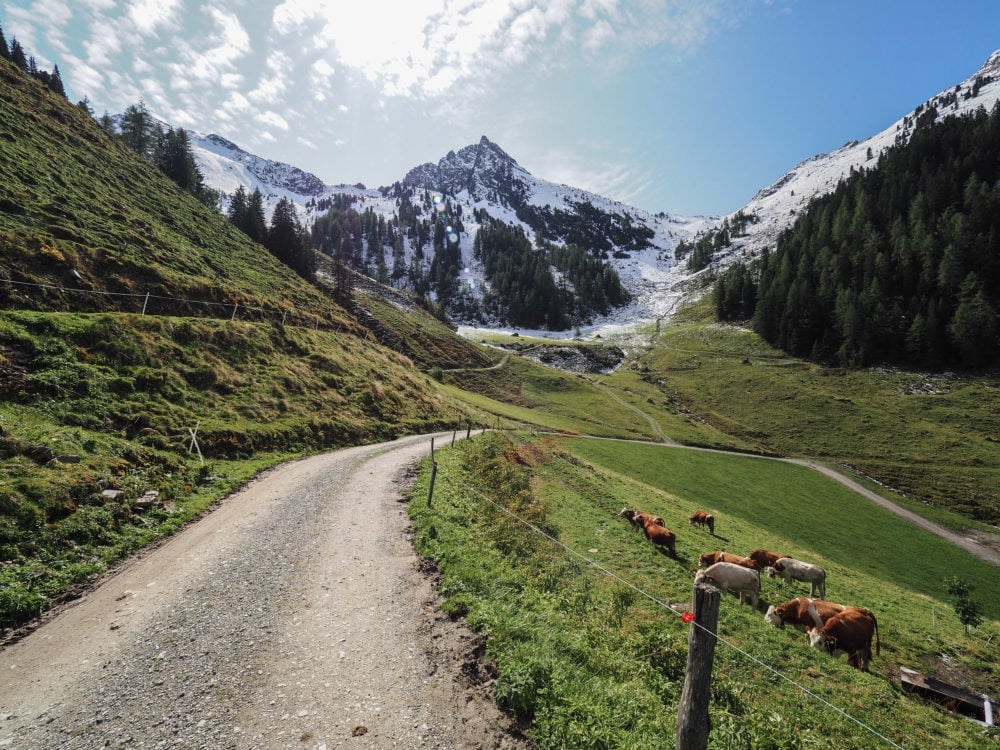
{"x":173,"y":155}
{"x":974,"y":328}
{"x":107,"y":123}
{"x":288,"y":242}
{"x":4,"y":49}
{"x":255,"y":225}
{"x":137,"y":131}
{"x":17,"y":55}
{"x":238,"y":208}
{"x":55,"y":82}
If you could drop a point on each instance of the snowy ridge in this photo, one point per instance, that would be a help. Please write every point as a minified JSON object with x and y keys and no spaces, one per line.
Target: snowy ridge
{"x":483,"y":176}
{"x":777,"y":205}
{"x":479,"y":176}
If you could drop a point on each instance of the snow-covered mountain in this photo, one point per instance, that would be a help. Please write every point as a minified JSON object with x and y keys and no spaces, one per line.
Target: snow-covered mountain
{"x":483,"y":177}
{"x":777,"y":205}
{"x":640,"y":245}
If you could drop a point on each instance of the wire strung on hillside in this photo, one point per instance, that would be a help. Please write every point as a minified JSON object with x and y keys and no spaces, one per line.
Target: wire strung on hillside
{"x":611,"y":574}
{"x":147,"y":296}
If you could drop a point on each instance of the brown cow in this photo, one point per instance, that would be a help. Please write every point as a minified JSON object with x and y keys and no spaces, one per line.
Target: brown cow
{"x":744,"y":562}
{"x":802,"y":613}
{"x":765,"y":558}
{"x":638,"y":518}
{"x":701,"y":518}
{"x":660,"y":536}
{"x":710,"y":558}
{"x":849,"y":632}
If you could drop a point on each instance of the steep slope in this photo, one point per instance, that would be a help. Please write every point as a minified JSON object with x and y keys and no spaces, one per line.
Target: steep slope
{"x":146,"y":345}
{"x":777,"y":205}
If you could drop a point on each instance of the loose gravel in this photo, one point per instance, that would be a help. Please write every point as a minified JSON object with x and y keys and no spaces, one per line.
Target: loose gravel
{"x":294,"y":615}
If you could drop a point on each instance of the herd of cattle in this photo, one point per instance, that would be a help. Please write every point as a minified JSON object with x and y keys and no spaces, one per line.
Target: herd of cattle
{"x":830,"y":627}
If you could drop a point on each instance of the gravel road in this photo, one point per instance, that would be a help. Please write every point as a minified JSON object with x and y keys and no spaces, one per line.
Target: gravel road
{"x":295,"y":615}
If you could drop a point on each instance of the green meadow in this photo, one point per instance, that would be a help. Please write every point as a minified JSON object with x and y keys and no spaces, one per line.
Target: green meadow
{"x":580,"y":614}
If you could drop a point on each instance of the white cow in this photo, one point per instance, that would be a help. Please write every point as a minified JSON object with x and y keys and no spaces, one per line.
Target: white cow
{"x":734,"y":578}
{"x":791,"y":569}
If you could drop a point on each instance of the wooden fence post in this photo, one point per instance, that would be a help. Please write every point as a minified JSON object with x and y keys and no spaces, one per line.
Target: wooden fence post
{"x":434,"y":471}
{"x":692,"y":712}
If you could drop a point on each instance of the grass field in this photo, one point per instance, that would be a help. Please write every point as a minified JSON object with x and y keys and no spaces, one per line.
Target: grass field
{"x":931,"y":437}
{"x":592,"y":661}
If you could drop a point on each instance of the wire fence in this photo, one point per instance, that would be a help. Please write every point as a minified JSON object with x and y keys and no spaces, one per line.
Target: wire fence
{"x":457,"y":482}
{"x":44,"y":297}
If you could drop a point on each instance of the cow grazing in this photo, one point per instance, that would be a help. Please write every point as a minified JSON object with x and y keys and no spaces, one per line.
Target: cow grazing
{"x":660,"y":536}
{"x":638,"y":518}
{"x":734,"y":578}
{"x":765,"y":558}
{"x":744,"y":562}
{"x":710,"y":558}
{"x":791,"y":569}
{"x":802,"y":613}
{"x":701,"y":518}
{"x":849,"y":632}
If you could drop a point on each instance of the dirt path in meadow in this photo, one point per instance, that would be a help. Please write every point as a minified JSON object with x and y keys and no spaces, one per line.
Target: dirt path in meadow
{"x":295,"y":615}
{"x":984,"y":548}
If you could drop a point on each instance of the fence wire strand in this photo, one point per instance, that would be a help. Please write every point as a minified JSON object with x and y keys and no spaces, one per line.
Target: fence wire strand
{"x":666,"y":605}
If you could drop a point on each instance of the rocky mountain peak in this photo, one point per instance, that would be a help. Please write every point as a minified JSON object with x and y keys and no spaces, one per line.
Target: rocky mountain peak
{"x":483,"y":170}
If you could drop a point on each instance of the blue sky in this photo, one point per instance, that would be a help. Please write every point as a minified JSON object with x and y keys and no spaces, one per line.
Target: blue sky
{"x":685,"y":106}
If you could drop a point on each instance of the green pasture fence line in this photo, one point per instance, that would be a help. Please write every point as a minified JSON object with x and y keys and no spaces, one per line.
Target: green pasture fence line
{"x":611,"y":574}
{"x":231,"y":309}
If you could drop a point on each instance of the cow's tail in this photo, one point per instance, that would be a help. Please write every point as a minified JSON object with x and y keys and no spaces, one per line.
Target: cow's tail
{"x":876,"y":634}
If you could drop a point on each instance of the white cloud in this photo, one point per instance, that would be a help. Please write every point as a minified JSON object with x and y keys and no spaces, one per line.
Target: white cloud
{"x":101,"y":48}
{"x":148,"y":15}
{"x":612,"y":179}
{"x":295,"y":15}
{"x":272,"y":119}
{"x":425,"y":48}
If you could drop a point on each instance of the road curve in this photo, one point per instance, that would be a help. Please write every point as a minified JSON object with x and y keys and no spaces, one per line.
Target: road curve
{"x":294,"y":615}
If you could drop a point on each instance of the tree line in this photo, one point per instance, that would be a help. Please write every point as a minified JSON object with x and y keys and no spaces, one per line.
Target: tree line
{"x":701,"y":251}
{"x":16,"y":54}
{"x":523,"y":289}
{"x":899,"y":264}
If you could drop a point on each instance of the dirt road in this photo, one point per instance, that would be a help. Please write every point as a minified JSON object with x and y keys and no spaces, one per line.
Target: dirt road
{"x":294,"y":615}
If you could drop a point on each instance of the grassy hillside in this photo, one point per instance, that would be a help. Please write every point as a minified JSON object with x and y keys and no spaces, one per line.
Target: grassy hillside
{"x":581,"y":615}
{"x":935,"y":439}
{"x":134,"y":316}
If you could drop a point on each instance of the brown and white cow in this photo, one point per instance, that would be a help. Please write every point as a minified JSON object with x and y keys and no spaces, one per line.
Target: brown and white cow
{"x":791,"y":569}
{"x":702,"y":518}
{"x":849,"y":632}
{"x":638,"y":518}
{"x":765,"y":558}
{"x":660,"y":536}
{"x":802,"y":613}
{"x":734,"y":578}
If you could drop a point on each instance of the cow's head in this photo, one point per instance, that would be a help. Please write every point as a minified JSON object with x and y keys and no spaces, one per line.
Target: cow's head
{"x":818,"y":639}
{"x":699,"y":576}
{"x":779,"y":566}
{"x":775,"y":616}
